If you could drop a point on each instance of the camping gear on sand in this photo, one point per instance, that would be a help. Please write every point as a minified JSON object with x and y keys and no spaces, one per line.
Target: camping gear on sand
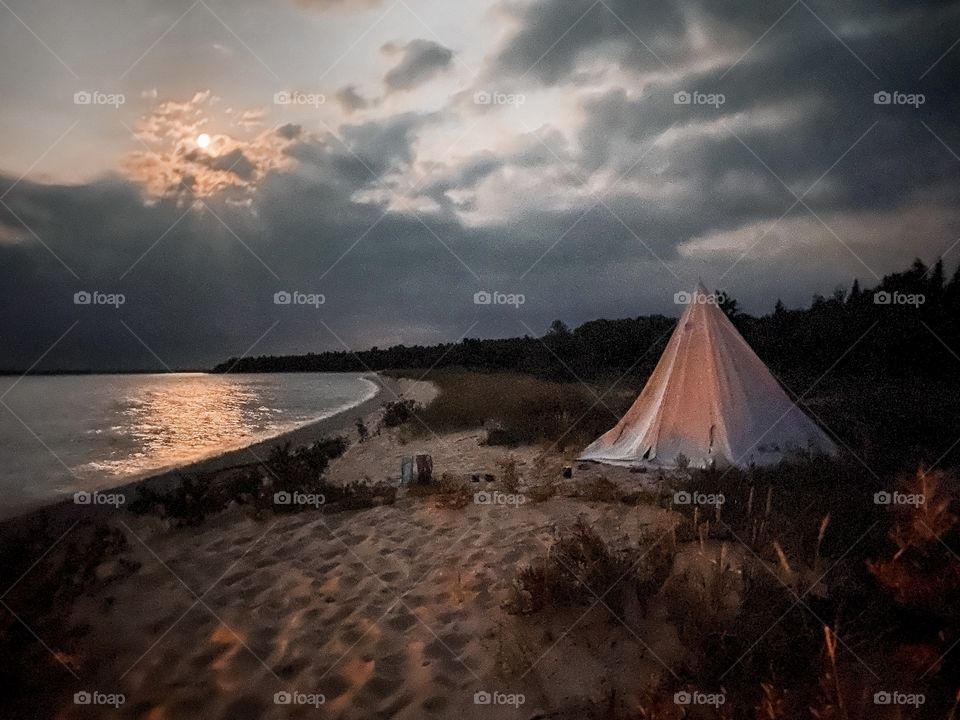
{"x":710,"y":401}
{"x":406,"y":470}
{"x":424,"y":469}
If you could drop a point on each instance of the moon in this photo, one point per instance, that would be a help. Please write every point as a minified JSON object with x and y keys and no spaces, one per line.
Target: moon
{"x":203,"y":140}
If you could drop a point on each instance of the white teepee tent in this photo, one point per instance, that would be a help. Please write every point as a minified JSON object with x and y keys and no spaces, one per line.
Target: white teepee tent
{"x":711,"y":399}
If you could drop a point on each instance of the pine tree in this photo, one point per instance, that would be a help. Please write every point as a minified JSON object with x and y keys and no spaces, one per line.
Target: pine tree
{"x":855,"y":293}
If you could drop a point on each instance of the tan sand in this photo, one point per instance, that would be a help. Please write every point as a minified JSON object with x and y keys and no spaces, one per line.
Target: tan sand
{"x":392,"y":612}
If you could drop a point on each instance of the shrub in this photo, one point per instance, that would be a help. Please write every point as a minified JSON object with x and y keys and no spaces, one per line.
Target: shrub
{"x":921,"y":574}
{"x":45,"y":566}
{"x":601,"y":489}
{"x":362,"y":431}
{"x":449,"y":492}
{"x":399,"y":412}
{"x":523,"y":408}
{"x":580,"y":566}
{"x":503,"y":438}
{"x":542,"y":491}
{"x":509,"y":476}
{"x":300,"y":471}
{"x":190,"y":502}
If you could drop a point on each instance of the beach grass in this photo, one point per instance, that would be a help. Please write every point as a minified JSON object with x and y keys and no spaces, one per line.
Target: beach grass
{"x":517,"y":409}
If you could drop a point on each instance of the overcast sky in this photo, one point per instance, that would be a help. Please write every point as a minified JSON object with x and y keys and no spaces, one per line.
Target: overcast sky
{"x":399,"y":157}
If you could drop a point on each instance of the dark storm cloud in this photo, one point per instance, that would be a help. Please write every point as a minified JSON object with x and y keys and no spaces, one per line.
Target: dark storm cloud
{"x":521,"y":216}
{"x":350,"y":100}
{"x":420,"y":60}
{"x":289,"y":131}
{"x":342,"y":5}
{"x":234,"y":161}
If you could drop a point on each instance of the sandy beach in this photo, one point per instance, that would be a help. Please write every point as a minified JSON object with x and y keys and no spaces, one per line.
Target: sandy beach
{"x":518,"y":583}
{"x":394,"y":611}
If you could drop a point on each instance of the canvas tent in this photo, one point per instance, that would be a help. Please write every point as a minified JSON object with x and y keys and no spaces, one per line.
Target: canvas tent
{"x":711,"y":399}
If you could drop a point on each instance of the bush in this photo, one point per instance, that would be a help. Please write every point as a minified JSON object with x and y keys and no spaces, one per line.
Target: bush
{"x":509,"y":476}
{"x":503,"y":438}
{"x":449,"y":492}
{"x":399,"y":412}
{"x":45,"y":566}
{"x":602,"y":489}
{"x":300,"y":471}
{"x":524,"y":409}
{"x":580,"y":566}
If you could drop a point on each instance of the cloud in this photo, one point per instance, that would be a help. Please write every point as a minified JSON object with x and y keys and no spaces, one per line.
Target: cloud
{"x":233,"y":161}
{"x":420,"y":60}
{"x":587,"y":199}
{"x":350,"y":100}
{"x":169,"y":162}
{"x":340,"y":5}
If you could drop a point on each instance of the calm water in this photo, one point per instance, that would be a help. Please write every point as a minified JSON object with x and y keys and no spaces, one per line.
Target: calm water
{"x":95,"y":431}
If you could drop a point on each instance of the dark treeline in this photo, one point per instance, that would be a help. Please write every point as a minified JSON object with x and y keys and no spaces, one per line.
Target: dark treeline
{"x":906,"y":326}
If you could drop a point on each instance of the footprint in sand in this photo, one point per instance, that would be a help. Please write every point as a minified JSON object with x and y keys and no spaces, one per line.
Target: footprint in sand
{"x":392,"y":707}
{"x":401,"y":622}
{"x":244,"y":708}
{"x":290,"y":670}
{"x":333,"y":686}
{"x":434,"y":703}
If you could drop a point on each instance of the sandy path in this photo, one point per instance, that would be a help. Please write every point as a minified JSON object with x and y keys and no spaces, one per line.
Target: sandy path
{"x":388,"y":612}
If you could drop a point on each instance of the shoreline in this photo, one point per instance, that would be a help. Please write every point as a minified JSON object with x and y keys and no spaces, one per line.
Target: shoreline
{"x":339,"y":424}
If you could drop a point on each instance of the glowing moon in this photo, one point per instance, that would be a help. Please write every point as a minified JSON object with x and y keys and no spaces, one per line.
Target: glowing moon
{"x":203,"y":140}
